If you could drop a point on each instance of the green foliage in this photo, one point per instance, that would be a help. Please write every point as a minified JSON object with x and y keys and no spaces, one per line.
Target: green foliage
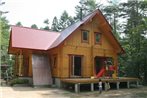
{"x":19,"y":81}
{"x":64,"y":21}
{"x":34,"y":26}
{"x":4,"y":39}
{"x":46,"y":22}
{"x":133,"y":63}
{"x":87,"y":6}
{"x":111,"y":13}
{"x":19,"y":24}
{"x":55,"y":24}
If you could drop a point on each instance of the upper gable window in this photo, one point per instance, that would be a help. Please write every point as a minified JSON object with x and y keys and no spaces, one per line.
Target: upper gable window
{"x":85,"y":35}
{"x":98,"y":37}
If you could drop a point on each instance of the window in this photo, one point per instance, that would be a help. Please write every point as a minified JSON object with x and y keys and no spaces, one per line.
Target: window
{"x":97,"y":38}
{"x":85,"y":35}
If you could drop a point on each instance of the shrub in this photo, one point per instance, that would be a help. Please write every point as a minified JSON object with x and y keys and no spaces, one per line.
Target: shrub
{"x":19,"y":81}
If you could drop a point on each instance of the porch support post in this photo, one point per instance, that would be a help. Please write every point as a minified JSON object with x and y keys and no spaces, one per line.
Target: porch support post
{"x":92,"y":86}
{"x":77,"y":87}
{"x":30,"y":64}
{"x":105,"y":86}
{"x":117,"y":85}
{"x":20,"y":63}
{"x":128,"y":84}
{"x":137,"y":83}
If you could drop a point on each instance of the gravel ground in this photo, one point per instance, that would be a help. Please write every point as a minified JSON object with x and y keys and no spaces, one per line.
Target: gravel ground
{"x":29,"y":92}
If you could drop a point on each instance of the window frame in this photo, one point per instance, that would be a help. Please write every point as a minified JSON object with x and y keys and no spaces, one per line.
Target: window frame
{"x":82,"y":36}
{"x":100,"y":40}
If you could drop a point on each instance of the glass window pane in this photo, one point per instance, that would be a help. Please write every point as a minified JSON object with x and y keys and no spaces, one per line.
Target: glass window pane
{"x":85,"y":35}
{"x":97,"y":37}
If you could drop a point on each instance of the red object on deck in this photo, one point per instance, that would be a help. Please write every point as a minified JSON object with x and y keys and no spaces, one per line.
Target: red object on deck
{"x":100,"y":74}
{"x":112,"y":68}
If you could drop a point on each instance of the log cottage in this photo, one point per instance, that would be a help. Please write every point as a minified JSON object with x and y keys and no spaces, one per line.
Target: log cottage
{"x":79,"y":51}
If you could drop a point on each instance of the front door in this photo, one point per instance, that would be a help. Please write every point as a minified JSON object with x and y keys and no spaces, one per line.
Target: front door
{"x":76,"y":65}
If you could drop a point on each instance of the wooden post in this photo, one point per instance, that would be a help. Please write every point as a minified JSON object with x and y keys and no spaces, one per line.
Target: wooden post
{"x":117,"y":85}
{"x":116,"y":65}
{"x":105,"y":86}
{"x":137,"y":83}
{"x":30,"y":64}
{"x":92,"y":86}
{"x":20,"y":63}
{"x":77,"y":87}
{"x":128,"y":84}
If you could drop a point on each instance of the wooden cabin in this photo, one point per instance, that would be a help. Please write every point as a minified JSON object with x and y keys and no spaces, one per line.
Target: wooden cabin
{"x":79,"y":51}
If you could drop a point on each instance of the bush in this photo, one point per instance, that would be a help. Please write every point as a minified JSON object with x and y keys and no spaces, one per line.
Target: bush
{"x":19,"y":81}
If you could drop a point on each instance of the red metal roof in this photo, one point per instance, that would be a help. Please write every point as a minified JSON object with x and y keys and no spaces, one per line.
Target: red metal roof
{"x":23,"y":37}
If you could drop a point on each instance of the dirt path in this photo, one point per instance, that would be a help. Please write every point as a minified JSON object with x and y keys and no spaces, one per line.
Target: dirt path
{"x":28,"y":92}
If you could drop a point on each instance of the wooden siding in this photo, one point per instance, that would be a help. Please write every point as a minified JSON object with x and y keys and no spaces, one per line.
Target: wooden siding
{"x":56,"y":71}
{"x":74,"y":45}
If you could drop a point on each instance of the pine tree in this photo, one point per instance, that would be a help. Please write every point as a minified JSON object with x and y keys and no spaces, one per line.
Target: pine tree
{"x":55,"y":24}
{"x":134,"y":43}
{"x":65,"y":21}
{"x":85,"y":7}
{"x":46,"y":22}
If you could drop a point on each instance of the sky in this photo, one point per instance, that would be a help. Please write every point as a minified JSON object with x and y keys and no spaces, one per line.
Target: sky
{"x":30,"y":12}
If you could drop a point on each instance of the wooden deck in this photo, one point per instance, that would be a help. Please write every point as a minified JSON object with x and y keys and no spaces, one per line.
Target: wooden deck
{"x":78,"y":81}
{"x":96,"y":80}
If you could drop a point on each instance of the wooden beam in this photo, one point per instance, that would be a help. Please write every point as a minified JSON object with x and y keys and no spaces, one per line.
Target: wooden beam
{"x":30,"y":64}
{"x":20,"y":63}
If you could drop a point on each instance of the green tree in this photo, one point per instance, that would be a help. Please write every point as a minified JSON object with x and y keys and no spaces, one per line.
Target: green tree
{"x":46,"y":22}
{"x":55,"y":25}
{"x":4,"y":42}
{"x":64,"y":21}
{"x":134,"y":41}
{"x":85,"y":7}
{"x":34,"y":26}
{"x":4,"y":39}
{"x":112,"y":14}
{"x":19,"y":24}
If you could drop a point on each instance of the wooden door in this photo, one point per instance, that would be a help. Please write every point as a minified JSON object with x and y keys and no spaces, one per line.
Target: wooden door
{"x":41,"y":70}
